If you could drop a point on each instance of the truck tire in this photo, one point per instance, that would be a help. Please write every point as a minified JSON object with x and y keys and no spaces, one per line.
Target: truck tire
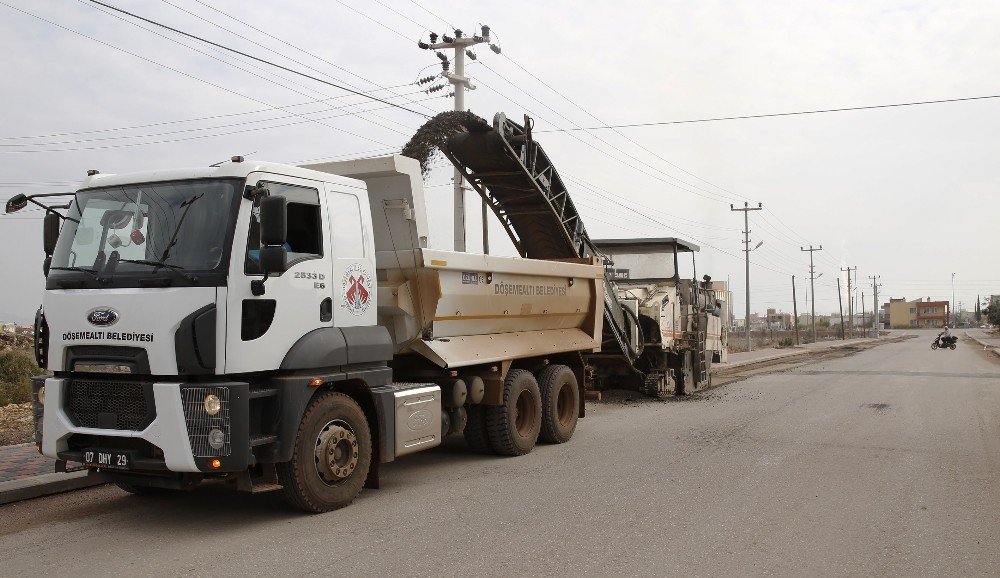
{"x":332,"y":454}
{"x":513,"y":427}
{"x":560,"y":403}
{"x":475,"y":430}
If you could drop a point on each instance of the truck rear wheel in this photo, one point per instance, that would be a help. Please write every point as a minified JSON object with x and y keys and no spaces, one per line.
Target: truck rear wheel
{"x":513,"y":427}
{"x":475,"y":430}
{"x":332,"y":454}
{"x":560,"y":403}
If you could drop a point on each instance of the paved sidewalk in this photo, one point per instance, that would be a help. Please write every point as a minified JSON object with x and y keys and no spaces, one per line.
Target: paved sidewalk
{"x":22,"y":461}
{"x":983,"y":337}
{"x":26,"y":474}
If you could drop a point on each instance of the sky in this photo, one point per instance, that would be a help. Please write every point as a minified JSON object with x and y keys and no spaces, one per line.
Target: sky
{"x":907,"y":194}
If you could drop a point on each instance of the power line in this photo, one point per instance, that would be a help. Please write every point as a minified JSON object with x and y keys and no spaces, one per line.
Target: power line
{"x":255,"y":58}
{"x":290,"y":45}
{"x":191,"y":76}
{"x":776,"y":114}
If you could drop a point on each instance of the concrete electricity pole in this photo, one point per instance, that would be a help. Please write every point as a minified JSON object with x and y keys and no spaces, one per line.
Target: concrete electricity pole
{"x":461,"y":44}
{"x":874,"y":279}
{"x":746,"y":249}
{"x":850,"y":297}
{"x":795,"y":311}
{"x":954,"y":316}
{"x":812,"y":285}
{"x":840,"y":303}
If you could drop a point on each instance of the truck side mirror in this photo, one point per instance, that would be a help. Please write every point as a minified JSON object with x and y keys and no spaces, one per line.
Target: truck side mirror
{"x":273,"y":220}
{"x":273,"y":259}
{"x":273,"y":233}
{"x":50,"y":232}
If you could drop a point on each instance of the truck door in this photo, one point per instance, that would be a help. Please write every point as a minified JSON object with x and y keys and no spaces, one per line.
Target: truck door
{"x":353,"y":251}
{"x":261,"y":329}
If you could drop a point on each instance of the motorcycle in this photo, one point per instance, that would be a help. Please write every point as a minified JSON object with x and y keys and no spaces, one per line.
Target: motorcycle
{"x":950,"y":342}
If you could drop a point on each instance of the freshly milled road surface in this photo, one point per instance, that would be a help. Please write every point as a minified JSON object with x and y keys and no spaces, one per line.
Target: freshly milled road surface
{"x":886,"y":462}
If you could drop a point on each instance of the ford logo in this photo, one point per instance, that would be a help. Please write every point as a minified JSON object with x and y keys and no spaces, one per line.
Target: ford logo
{"x":418,"y":420}
{"x":103,"y":317}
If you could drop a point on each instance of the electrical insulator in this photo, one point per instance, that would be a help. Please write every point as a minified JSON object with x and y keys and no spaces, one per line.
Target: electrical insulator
{"x":486,"y":31}
{"x":442,"y":57}
{"x":449,"y":95}
{"x":495,"y":48}
{"x":433,"y":37}
{"x":445,"y":66}
{"x":470,"y":54}
{"x":447,"y":39}
{"x":422,"y":44}
{"x":458,"y":33}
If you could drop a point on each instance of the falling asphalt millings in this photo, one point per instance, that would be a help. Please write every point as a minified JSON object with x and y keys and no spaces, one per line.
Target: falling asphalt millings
{"x":432,"y":136}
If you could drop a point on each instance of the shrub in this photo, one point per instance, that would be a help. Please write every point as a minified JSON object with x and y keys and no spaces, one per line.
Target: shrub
{"x":16,"y":369}
{"x":785,"y":342}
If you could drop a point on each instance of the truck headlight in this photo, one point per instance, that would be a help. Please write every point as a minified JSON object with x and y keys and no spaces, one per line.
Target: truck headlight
{"x":216,"y":439}
{"x":212,"y":404}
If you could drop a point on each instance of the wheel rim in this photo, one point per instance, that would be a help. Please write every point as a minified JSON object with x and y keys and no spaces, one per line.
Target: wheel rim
{"x":564,"y":405}
{"x":525,"y":417}
{"x":336,"y":452}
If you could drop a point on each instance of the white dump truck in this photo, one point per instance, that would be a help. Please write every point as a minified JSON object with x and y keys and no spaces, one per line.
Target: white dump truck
{"x":288,"y":327}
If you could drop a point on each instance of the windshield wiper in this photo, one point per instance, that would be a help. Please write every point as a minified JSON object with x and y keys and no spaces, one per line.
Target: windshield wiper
{"x":84,"y":270}
{"x":158,"y":264}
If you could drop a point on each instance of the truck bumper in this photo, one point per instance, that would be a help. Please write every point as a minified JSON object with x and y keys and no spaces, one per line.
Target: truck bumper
{"x":177,"y":434}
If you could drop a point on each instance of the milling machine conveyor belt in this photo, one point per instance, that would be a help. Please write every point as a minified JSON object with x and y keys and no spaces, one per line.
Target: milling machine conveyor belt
{"x":515,"y":177}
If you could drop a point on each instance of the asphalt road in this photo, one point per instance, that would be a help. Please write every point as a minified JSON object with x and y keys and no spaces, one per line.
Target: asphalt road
{"x":886,"y":462}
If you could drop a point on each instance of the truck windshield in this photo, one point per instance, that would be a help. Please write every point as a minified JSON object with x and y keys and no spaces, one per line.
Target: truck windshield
{"x":134,"y":230}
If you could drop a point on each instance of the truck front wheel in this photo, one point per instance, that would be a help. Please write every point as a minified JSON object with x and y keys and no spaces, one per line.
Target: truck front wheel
{"x":513,"y":427}
{"x":332,"y":454}
{"x":560,"y":403}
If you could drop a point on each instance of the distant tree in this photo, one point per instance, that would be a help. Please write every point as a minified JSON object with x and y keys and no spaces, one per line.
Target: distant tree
{"x":824,"y":323}
{"x":992,"y":313}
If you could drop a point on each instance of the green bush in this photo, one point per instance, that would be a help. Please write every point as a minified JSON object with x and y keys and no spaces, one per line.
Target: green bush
{"x":785,"y":342}
{"x":16,"y":369}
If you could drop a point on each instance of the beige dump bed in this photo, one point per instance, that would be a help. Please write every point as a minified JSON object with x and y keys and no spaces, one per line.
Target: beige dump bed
{"x":460,"y":309}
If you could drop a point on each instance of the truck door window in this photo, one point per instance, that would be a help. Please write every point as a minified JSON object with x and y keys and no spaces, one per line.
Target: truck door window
{"x":305,"y":226}
{"x":345,"y":214}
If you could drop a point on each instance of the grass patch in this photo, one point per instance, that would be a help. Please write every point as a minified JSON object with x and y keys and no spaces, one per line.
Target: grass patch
{"x":16,"y":369}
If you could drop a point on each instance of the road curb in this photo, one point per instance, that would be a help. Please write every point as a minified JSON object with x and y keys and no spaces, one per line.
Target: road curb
{"x":47,"y":484}
{"x":986,"y":346}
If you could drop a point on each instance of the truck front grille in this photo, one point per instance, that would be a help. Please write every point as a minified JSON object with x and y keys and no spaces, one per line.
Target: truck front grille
{"x":109,"y":404}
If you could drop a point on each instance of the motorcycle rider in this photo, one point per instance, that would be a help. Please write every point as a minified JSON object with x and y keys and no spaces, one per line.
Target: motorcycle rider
{"x":945,"y":336}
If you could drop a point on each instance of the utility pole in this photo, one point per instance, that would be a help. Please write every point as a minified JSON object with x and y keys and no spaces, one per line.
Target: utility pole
{"x":795,"y":311}
{"x":461,"y":44}
{"x":746,"y":249}
{"x":863,"y":310}
{"x":874,"y":279}
{"x":840,"y":303}
{"x":812,"y":286}
{"x":850,"y":298}
{"x":954,"y":316}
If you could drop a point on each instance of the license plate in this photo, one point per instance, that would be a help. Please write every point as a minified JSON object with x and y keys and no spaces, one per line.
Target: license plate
{"x":107,"y":459}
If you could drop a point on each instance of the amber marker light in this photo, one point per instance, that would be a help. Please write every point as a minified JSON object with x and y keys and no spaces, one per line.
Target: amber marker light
{"x":315,"y":382}
{"x":215,"y":463}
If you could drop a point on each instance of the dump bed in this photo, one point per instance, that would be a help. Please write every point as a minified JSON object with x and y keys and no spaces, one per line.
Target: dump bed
{"x":460,"y":309}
